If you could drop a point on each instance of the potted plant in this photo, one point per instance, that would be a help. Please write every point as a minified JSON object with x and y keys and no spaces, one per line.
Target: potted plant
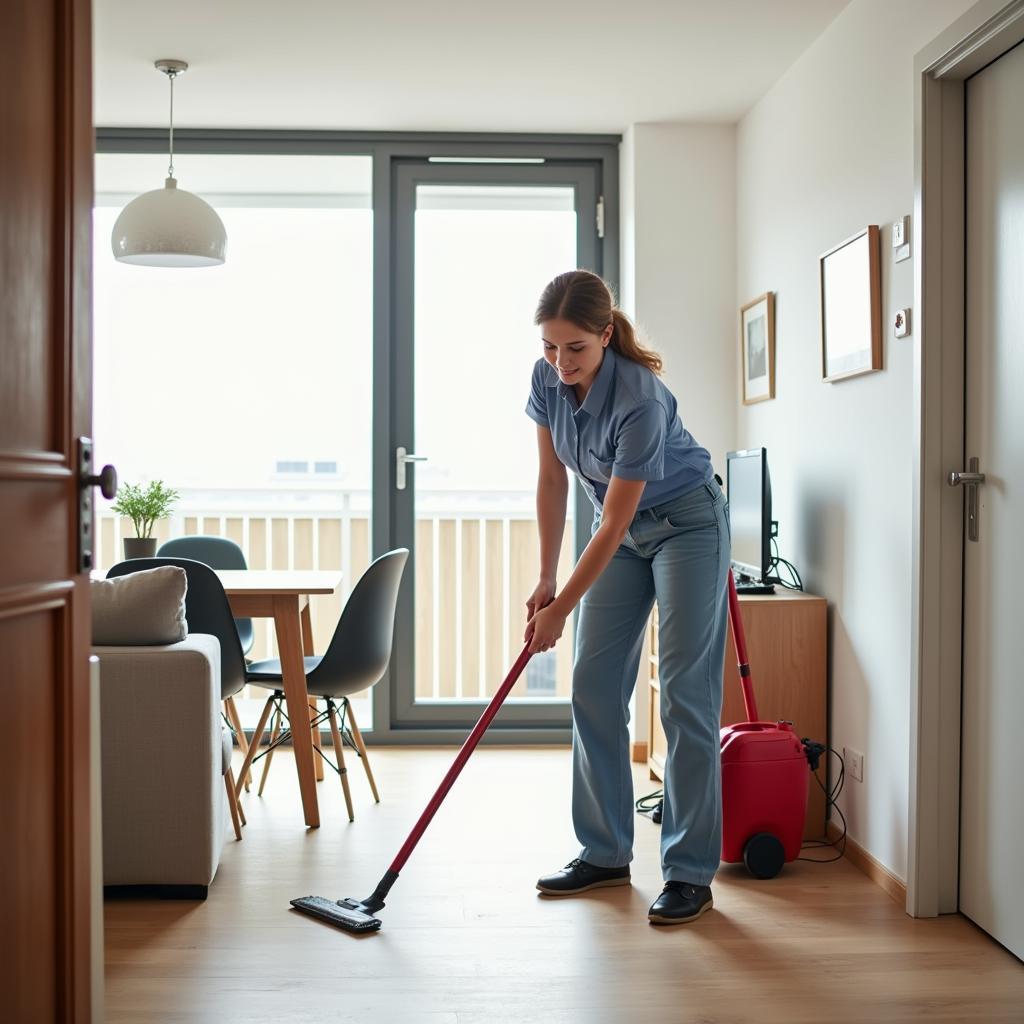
{"x":143,"y":506}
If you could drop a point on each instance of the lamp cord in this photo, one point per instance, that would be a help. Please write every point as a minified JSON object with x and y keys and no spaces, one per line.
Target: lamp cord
{"x":170,"y":166}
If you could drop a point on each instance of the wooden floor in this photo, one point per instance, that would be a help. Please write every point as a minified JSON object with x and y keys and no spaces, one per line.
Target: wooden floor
{"x":468,"y":940}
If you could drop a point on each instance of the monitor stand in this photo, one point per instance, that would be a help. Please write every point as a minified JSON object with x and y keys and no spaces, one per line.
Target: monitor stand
{"x":745,"y":585}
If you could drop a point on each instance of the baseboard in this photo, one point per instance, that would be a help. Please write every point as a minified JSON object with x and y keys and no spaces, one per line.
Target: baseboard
{"x":876,"y":871}
{"x":156,"y":892}
{"x":640,"y":752}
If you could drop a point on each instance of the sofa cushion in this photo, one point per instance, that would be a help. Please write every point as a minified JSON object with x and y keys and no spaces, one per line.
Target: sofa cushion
{"x":141,"y":608}
{"x":165,"y":812}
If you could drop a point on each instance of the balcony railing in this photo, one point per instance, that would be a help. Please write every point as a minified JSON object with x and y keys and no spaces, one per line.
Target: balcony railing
{"x":473,"y":573}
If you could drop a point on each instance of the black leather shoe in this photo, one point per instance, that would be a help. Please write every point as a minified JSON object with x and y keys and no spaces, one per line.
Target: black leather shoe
{"x":679,"y":903}
{"x":579,"y":876}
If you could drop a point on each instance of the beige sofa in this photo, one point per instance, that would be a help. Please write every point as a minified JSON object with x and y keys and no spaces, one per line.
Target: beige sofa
{"x":164,"y":757}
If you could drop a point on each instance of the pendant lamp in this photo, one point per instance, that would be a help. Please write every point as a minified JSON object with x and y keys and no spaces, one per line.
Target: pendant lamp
{"x":169,"y":227}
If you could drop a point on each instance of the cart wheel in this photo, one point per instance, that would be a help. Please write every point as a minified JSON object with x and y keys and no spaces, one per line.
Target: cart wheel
{"x":764,"y":855}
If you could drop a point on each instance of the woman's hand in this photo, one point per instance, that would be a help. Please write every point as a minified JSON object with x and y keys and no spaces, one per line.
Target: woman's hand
{"x":544,"y":628}
{"x":542,"y":595}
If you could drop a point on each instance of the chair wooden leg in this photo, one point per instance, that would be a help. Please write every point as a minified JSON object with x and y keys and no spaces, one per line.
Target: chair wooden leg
{"x":254,"y":745}
{"x":307,"y":649}
{"x":236,"y":724}
{"x":318,"y":761}
{"x":346,"y":708}
{"x":341,"y":758}
{"x":275,"y":731}
{"x":229,"y":782}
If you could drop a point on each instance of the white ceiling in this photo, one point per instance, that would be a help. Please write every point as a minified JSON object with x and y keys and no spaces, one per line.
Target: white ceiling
{"x":529,"y":65}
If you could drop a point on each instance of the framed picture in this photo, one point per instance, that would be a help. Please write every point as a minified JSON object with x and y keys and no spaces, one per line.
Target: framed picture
{"x":757,"y":347}
{"x":851,"y":307}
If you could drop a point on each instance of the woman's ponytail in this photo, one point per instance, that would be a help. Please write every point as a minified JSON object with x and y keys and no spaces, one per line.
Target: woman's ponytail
{"x":624,"y":342}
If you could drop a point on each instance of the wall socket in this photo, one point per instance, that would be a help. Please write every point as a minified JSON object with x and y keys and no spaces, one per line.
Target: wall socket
{"x":854,"y":761}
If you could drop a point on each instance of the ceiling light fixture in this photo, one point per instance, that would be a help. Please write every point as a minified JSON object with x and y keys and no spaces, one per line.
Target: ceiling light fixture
{"x":169,"y":227}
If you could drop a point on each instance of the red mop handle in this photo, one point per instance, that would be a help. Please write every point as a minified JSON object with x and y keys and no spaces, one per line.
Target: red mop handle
{"x":467,"y":748}
{"x":746,"y":681}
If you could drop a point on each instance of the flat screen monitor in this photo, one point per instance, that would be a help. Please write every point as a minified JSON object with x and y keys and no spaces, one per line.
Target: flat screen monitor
{"x":749,"y":489}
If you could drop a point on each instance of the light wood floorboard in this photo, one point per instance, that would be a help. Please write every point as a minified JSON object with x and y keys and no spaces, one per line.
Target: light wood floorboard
{"x":468,"y":940}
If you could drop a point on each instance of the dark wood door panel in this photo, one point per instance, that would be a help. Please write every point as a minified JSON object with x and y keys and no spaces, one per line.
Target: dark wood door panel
{"x":46,"y":157}
{"x":29,"y":839}
{"x":29,"y":236}
{"x":47,"y":558}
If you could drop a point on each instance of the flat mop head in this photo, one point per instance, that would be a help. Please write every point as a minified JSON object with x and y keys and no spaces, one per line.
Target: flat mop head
{"x":348,"y":914}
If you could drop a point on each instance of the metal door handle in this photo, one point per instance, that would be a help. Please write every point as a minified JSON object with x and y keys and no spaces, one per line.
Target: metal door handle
{"x":402,"y":458}
{"x":971,"y":479}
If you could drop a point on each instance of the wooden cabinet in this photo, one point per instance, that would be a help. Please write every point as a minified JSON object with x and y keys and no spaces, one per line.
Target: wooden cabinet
{"x":786,"y":645}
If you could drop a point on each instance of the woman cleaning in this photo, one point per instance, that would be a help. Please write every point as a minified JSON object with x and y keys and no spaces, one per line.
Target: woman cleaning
{"x":660,"y":533}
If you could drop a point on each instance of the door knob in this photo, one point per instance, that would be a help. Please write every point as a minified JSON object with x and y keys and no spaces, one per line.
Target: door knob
{"x":106,"y":481}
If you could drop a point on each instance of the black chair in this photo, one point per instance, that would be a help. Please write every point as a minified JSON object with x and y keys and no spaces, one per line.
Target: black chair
{"x":217,"y":553}
{"x":356,"y":658}
{"x":207,"y":610}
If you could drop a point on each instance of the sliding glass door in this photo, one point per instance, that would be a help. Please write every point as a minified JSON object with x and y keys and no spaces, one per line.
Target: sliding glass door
{"x":474,"y":245}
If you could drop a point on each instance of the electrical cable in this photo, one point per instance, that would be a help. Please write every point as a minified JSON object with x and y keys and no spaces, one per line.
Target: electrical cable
{"x":652,"y":805}
{"x":838,"y":843}
{"x":794,"y":582}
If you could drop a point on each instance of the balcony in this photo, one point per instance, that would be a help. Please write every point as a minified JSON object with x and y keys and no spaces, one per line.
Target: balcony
{"x":476,"y":563}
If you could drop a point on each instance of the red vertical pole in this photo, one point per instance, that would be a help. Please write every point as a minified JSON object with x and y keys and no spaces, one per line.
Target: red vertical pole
{"x":746,"y":681}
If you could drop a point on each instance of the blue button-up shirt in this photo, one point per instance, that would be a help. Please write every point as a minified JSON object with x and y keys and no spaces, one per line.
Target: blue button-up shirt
{"x":628,"y":426}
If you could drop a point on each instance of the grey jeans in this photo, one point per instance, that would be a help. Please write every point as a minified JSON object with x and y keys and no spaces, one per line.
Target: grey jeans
{"x":678,"y":554}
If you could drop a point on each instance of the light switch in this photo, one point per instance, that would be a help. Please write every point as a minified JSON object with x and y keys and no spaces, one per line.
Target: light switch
{"x":901,"y":239}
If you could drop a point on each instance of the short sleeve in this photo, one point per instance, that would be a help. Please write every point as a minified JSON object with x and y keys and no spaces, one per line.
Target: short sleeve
{"x":537,"y":406}
{"x":640,"y":443}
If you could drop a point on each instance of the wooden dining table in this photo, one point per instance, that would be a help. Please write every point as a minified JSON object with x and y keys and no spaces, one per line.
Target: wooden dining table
{"x":283,"y":595}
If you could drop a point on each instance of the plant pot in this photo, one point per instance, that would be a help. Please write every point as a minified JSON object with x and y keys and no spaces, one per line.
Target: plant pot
{"x":139,"y":547}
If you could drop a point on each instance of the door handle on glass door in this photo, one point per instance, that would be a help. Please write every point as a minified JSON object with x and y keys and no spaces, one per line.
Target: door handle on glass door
{"x":971,"y":479}
{"x":402,"y":457}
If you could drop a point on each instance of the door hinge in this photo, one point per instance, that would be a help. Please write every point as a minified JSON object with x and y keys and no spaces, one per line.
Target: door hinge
{"x":600,"y":216}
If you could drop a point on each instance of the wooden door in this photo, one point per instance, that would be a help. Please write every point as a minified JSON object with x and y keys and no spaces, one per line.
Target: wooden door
{"x":991,"y":809}
{"x":45,"y":382}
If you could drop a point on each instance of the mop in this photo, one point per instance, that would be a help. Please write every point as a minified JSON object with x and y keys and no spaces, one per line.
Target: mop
{"x":359,"y":915}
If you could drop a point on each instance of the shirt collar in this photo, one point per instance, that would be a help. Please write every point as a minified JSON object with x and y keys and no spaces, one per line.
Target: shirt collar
{"x":594,"y":402}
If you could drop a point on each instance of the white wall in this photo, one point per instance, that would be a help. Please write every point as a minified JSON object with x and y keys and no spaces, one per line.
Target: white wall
{"x":678,"y":266}
{"x":828,"y":150}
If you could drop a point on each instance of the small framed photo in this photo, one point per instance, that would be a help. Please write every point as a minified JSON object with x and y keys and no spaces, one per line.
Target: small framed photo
{"x":757,"y":347}
{"x":851,"y":307}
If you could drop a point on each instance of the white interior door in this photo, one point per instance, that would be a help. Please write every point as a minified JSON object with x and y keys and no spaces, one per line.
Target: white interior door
{"x":992,"y":811}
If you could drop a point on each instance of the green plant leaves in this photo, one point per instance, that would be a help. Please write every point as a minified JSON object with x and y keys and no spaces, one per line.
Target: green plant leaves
{"x":144,"y":506}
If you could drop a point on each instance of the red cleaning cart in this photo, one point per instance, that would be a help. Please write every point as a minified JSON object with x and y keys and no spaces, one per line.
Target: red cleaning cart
{"x":765,"y":774}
